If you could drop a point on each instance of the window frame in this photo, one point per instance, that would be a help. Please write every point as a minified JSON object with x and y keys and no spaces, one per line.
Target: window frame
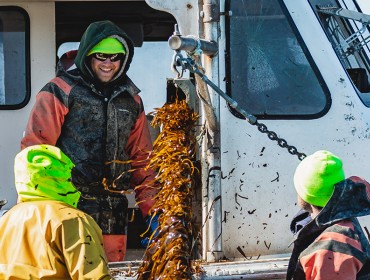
{"x":308,"y":56}
{"x":27,"y":61}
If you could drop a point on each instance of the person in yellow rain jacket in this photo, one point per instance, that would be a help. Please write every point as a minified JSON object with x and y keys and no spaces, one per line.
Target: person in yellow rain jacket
{"x":45,"y":236}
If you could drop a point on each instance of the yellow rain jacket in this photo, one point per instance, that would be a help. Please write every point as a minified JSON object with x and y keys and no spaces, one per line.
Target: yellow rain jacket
{"x":44,"y":236}
{"x":36,"y":242}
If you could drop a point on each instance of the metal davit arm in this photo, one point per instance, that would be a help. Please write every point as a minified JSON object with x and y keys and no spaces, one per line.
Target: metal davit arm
{"x":354,"y":42}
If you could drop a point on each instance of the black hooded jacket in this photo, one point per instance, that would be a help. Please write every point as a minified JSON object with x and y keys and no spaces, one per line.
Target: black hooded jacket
{"x":349,"y":201}
{"x":96,"y":120}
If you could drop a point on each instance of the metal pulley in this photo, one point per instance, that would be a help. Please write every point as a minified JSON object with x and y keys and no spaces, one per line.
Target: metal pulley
{"x":191,"y":44}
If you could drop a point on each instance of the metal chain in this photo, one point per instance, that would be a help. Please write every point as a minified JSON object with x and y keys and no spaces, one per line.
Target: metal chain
{"x":189,"y":64}
{"x":281,"y":142}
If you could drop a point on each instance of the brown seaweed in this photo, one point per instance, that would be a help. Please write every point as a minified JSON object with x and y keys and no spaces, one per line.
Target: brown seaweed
{"x":168,"y":255}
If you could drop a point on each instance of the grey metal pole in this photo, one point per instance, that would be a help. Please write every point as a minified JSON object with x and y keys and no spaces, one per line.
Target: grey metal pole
{"x":212,"y":239}
{"x":191,"y":44}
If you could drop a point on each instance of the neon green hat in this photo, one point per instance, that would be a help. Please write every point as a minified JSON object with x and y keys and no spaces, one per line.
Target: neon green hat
{"x":316,"y":175}
{"x":109,"y":46}
{"x":43,"y":172}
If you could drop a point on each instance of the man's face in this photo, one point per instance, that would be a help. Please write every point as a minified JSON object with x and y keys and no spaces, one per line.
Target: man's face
{"x":104,"y":70}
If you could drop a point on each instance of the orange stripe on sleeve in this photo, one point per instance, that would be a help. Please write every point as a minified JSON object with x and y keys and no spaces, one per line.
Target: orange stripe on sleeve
{"x":62,"y":85}
{"x":324,"y":265}
{"x":45,"y":121}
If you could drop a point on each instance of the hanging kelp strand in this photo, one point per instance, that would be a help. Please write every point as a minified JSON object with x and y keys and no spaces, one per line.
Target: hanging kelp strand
{"x":168,"y":254}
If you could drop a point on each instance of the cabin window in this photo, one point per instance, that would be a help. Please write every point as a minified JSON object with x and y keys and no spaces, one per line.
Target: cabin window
{"x":14,"y":58}
{"x":269,"y":70}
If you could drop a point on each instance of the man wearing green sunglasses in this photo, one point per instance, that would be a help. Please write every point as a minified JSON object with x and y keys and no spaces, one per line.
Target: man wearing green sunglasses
{"x":94,"y":114}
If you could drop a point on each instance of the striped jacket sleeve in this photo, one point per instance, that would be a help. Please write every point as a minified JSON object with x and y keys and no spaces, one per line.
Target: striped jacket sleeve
{"x":47,"y":116}
{"x":139,"y":146}
{"x":336,"y":254}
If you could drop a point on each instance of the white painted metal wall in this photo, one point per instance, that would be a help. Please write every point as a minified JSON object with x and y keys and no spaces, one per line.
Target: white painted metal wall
{"x":258,"y":194}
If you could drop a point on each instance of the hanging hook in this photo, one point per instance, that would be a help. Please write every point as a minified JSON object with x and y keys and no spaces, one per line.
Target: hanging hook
{"x":177,"y":60}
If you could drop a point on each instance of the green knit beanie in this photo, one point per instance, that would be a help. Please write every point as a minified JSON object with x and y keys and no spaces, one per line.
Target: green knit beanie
{"x":316,"y":175}
{"x":43,"y":172}
{"x":108,"y":46}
